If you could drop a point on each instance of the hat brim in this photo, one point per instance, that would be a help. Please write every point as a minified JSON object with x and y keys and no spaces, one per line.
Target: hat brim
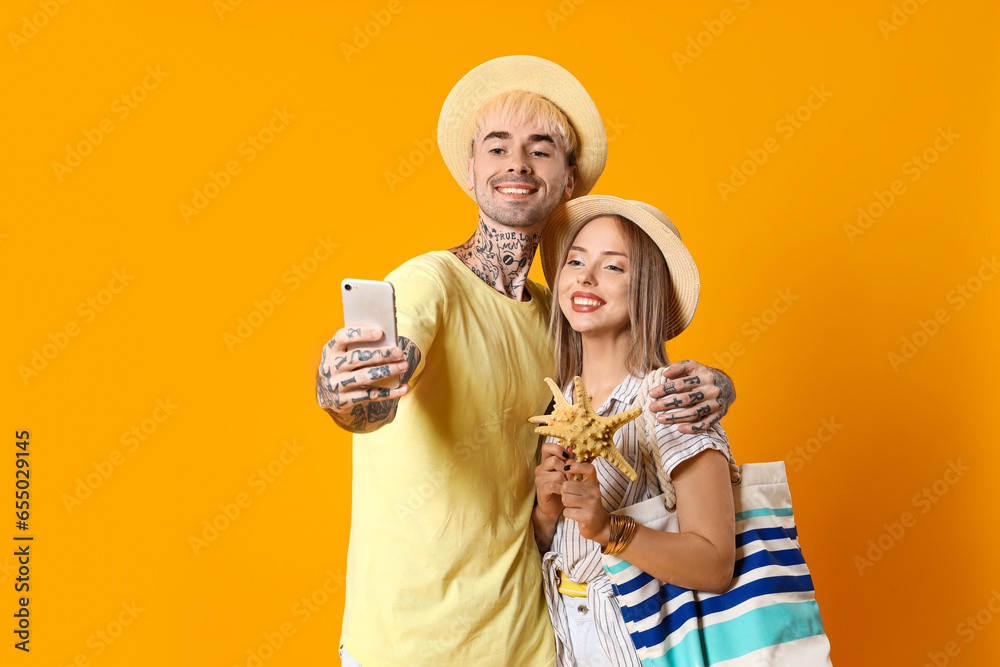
{"x":533,"y":75}
{"x":683,"y":286}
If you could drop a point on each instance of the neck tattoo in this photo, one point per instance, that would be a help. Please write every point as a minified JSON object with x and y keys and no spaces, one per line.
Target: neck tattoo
{"x":501,"y":259}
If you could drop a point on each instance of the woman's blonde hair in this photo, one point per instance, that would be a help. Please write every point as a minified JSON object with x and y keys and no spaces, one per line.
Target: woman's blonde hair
{"x":519,"y":106}
{"x":647,"y":307}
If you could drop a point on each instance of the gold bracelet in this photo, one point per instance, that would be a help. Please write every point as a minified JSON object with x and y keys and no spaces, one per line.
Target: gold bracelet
{"x":621,"y":531}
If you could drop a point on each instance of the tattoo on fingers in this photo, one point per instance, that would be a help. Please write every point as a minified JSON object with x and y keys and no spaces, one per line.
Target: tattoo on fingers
{"x":696,"y":396}
{"x":378,"y":372}
{"x":668,"y":388}
{"x":676,"y":403}
{"x":704,"y":426}
{"x":357,"y":356}
{"x":694,"y":379}
{"x":353,"y":332}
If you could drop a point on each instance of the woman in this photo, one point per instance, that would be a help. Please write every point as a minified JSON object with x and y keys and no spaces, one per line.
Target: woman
{"x":624,"y":283}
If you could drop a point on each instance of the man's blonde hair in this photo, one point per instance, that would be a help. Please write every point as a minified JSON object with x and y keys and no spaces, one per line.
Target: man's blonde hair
{"x":519,"y":106}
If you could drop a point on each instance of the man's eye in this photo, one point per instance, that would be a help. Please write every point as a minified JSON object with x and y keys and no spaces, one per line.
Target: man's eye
{"x":495,"y":151}
{"x":539,"y":153}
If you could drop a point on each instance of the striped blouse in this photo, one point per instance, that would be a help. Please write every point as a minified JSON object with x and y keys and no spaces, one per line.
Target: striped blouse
{"x":579,"y":558}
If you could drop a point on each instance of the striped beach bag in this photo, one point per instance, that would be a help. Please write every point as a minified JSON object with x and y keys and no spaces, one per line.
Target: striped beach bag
{"x":767,"y":618}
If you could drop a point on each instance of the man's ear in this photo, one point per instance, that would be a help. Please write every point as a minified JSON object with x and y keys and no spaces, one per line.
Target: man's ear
{"x":470,"y":177}
{"x":570,"y":181}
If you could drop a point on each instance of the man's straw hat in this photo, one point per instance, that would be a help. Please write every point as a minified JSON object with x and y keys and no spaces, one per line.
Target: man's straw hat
{"x":682,"y":288}
{"x":534,"y":75}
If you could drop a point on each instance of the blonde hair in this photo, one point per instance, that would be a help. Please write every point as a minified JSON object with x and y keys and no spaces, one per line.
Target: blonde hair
{"x":519,"y":106}
{"x":648,"y":307}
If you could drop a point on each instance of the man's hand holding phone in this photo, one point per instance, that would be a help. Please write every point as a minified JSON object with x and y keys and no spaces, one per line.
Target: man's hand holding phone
{"x":346,"y":374}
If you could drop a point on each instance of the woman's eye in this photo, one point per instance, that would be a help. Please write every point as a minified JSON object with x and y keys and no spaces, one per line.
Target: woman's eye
{"x":612,"y":267}
{"x":574,"y":262}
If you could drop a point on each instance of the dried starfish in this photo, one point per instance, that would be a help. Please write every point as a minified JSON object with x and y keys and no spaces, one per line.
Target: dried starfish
{"x":580,"y":427}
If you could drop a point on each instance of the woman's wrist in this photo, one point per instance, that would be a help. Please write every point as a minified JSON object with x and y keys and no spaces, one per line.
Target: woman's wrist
{"x":544,"y":527}
{"x":621,"y":531}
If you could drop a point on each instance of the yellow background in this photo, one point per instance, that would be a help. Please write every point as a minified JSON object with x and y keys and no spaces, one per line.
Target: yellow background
{"x":360,"y":113}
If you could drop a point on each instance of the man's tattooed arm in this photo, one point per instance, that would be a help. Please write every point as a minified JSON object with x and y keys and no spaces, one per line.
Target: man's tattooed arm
{"x":346,"y":395}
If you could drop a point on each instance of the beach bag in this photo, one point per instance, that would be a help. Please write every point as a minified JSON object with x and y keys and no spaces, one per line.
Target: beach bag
{"x":767,"y":618}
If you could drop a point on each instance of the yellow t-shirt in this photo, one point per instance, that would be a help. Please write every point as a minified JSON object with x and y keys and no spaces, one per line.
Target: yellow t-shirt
{"x":442,"y":567}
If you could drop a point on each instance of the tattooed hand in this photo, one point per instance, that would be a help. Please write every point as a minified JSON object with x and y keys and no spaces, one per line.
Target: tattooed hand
{"x":343,"y":381}
{"x":693,"y":395}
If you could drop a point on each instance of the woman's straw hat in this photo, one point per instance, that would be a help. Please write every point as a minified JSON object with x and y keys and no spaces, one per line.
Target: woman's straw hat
{"x":534,"y":75}
{"x":681,"y":290}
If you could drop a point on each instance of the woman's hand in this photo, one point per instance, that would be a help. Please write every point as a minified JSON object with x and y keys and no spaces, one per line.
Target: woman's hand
{"x":582,"y":503}
{"x":549,"y":478}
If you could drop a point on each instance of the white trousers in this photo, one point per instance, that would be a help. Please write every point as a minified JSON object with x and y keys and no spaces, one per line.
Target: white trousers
{"x":586,"y":647}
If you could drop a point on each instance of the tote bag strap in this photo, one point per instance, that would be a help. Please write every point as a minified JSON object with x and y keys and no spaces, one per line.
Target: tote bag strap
{"x":657,"y":480}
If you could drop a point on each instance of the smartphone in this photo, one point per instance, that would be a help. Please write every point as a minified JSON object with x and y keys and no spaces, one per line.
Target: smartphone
{"x":371,"y":303}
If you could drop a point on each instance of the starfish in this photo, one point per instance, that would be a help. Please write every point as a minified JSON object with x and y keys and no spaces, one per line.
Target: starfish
{"x":588,"y":433}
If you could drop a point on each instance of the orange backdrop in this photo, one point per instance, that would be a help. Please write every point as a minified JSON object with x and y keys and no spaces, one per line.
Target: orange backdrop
{"x":185,"y":185}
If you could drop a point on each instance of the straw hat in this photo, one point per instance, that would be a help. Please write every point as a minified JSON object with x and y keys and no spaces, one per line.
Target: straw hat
{"x":683,"y":285}
{"x":534,"y":75}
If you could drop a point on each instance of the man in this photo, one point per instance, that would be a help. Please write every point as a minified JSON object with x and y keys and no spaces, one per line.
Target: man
{"x":442,"y":564}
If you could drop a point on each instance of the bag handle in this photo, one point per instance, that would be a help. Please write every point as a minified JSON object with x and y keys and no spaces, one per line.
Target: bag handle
{"x":657,"y":480}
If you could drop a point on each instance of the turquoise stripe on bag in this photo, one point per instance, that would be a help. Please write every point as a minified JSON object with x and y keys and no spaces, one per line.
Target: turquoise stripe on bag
{"x":615,"y":569}
{"x":756,"y":629}
{"x":781,"y":511}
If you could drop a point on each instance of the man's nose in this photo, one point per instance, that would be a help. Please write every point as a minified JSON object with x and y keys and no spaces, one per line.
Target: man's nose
{"x":518,"y":164}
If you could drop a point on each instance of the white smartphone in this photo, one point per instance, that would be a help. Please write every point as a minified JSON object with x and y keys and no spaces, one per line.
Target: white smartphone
{"x":371,"y":303}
